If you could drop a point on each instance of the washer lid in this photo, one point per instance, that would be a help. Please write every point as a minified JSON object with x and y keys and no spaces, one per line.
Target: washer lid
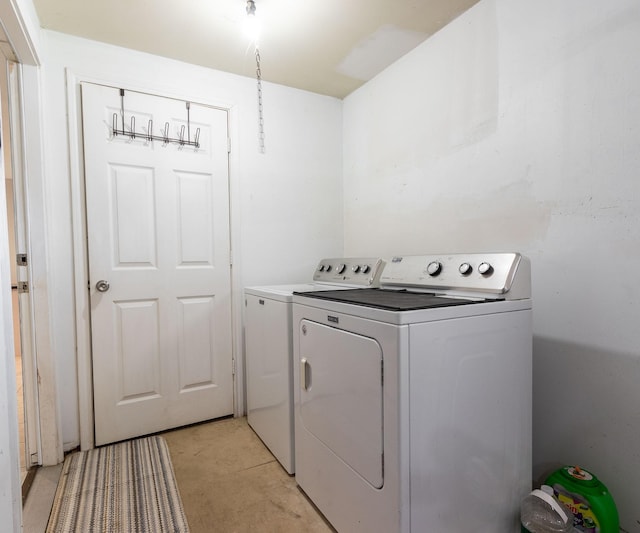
{"x":281,"y":293}
{"x":391,"y":300}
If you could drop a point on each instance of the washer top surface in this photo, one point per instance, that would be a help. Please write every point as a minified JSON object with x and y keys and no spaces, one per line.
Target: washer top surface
{"x":390,"y":300}
{"x":284,"y":293}
{"x":281,"y":293}
{"x":450,"y":310}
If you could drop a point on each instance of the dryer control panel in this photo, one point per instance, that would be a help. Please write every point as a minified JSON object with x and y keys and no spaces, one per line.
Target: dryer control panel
{"x":504,"y":275}
{"x":356,"y":271}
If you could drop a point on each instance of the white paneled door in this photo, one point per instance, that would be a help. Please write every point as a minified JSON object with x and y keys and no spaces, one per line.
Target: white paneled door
{"x":158,"y":239}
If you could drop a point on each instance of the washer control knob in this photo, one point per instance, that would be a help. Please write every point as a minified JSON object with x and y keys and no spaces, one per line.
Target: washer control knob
{"x":355,"y":268}
{"x":321,"y":268}
{"x":327,"y":268}
{"x":465,"y":269}
{"x":365,"y":269}
{"x":485,"y":269}
{"x":341,"y":268}
{"x":434,"y":268}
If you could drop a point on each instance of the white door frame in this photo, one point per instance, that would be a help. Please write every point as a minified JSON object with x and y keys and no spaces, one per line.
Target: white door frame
{"x":20,"y":23}
{"x":19,"y":27}
{"x":12,"y":131}
{"x":80,"y":250}
{"x":33,"y":165}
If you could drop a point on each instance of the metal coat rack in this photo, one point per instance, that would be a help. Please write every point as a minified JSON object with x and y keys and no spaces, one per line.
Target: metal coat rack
{"x":149,"y":135}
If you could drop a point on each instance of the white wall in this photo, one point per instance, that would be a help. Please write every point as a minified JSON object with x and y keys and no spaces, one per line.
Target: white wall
{"x":286,"y":203}
{"x":10,"y":494}
{"x":517,"y":127}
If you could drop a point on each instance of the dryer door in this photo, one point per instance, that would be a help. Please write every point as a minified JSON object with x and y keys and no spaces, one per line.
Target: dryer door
{"x":341,"y":396}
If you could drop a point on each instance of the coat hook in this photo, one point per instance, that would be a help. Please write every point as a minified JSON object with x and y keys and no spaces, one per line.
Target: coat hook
{"x":188,"y":122}
{"x":149,"y":136}
{"x":122,"y":108}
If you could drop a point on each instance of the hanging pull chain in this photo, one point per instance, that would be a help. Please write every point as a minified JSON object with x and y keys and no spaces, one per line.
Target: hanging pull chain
{"x":260,"y":113}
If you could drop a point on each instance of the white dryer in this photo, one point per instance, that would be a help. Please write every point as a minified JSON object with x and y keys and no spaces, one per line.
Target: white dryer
{"x":413,"y":401}
{"x":269,"y":353}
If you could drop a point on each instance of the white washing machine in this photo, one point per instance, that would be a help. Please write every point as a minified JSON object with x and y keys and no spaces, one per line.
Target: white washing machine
{"x":268,"y":348}
{"x":413,"y":401}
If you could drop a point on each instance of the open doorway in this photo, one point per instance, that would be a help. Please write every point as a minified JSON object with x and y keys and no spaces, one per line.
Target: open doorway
{"x":17,"y":228}
{"x":15,"y":307}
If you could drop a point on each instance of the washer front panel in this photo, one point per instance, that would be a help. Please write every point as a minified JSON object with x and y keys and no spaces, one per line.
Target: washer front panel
{"x":329,"y":477}
{"x":341,"y":395}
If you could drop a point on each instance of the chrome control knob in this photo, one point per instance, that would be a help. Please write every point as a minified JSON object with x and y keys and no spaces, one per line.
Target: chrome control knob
{"x":465,"y":269}
{"x":365,"y":269}
{"x":102,"y":286}
{"x":321,"y":268}
{"x":434,"y":268}
{"x":355,"y":268}
{"x":485,"y":269}
{"x":341,"y":268}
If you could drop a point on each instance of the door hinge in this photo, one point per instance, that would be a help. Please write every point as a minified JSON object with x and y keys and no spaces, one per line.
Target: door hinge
{"x":23,"y":286}
{"x":21,"y":260}
{"x":228,"y":145}
{"x":233,"y":367}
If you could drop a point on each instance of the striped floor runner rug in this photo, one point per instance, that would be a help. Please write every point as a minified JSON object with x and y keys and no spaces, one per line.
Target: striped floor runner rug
{"x":123,"y":488}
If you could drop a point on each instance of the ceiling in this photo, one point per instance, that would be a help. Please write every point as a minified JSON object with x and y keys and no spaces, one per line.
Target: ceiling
{"x":325,"y":46}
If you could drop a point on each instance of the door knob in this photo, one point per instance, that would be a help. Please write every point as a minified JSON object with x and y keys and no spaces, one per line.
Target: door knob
{"x":102,"y":285}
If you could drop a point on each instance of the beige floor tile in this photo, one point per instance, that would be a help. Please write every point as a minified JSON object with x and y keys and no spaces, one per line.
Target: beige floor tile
{"x":230,"y":482}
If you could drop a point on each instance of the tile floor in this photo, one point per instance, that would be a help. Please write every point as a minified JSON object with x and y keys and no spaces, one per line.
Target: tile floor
{"x":228,"y":481}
